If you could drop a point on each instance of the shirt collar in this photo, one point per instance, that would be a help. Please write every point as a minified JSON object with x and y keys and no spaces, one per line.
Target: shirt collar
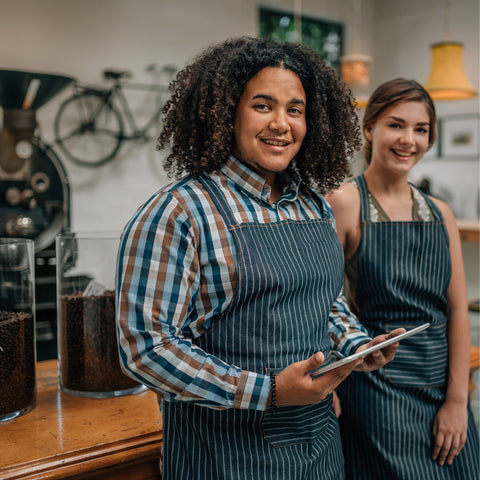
{"x":254,"y":185}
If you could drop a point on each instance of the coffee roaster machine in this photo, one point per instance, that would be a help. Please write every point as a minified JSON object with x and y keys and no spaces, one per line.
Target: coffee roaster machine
{"x":34,"y":188}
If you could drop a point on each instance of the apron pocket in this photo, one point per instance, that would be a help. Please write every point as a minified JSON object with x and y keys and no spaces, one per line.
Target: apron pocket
{"x":291,"y":425}
{"x":421,"y":360}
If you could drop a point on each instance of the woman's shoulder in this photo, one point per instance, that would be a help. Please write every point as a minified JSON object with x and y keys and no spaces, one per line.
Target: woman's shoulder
{"x":344,"y":196}
{"x":345,"y":202}
{"x":445,"y":210}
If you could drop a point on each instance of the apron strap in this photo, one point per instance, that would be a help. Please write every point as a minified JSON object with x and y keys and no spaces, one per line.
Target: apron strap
{"x":433,"y":208}
{"x":321,"y":202}
{"x":365,"y":207}
{"x":219,"y":200}
{"x":364,"y":204}
{"x":221,"y":203}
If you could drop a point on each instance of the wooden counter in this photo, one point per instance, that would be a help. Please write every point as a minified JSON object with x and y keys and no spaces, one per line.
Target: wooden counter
{"x":469,"y":230}
{"x":66,"y":437}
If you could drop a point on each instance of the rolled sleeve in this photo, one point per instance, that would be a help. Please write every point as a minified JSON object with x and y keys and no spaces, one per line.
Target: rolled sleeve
{"x":157,"y":284}
{"x":253,"y":391}
{"x":346,"y":332}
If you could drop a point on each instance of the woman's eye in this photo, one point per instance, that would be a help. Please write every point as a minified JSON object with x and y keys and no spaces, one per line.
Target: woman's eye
{"x":422,"y":130}
{"x":395,"y":125}
{"x":261,"y":106}
{"x":295,"y":111}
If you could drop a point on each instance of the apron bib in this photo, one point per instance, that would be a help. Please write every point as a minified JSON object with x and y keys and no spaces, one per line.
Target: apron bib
{"x":387,"y":416}
{"x":407,"y":265}
{"x":289,"y":274}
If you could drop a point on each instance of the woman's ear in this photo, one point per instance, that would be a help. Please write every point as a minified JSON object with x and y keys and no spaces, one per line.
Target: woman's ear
{"x":367,"y":131}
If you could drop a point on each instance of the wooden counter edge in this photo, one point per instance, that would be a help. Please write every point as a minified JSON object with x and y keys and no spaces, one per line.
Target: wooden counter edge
{"x":469,"y":230}
{"x":89,"y":460}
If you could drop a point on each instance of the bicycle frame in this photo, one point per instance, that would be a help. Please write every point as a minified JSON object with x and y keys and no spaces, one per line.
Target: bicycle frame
{"x":118,"y":93}
{"x":91,"y":125}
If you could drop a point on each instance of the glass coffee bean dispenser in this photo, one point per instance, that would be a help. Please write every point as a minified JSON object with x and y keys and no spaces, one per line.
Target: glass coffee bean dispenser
{"x":17,"y":327}
{"x":88,"y":354}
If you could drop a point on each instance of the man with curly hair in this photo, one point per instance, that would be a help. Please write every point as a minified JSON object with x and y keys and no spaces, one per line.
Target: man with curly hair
{"x":227,"y":276}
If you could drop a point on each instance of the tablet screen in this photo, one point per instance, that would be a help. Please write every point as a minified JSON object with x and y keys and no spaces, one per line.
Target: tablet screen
{"x":336,"y":359}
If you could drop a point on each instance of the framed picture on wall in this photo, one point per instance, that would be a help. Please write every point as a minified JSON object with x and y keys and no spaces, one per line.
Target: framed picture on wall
{"x":433,"y":152}
{"x":459,"y":135}
{"x":323,"y":36}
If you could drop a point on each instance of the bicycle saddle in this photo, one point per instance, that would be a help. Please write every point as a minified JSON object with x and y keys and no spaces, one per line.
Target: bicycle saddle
{"x":116,"y":74}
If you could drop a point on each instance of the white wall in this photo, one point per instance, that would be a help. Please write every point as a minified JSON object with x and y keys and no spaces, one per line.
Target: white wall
{"x":80,"y":38}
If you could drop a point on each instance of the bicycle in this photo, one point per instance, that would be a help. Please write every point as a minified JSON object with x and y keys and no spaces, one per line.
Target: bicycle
{"x":89,"y":126}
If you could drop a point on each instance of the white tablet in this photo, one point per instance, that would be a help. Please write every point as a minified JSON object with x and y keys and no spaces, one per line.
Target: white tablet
{"x":336,"y":359}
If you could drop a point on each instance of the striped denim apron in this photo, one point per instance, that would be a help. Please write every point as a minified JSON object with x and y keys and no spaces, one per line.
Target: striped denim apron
{"x":404,"y":272}
{"x":289,"y":274}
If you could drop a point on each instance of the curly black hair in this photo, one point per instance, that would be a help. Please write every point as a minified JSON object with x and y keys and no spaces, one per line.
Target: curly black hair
{"x":198,"y":119}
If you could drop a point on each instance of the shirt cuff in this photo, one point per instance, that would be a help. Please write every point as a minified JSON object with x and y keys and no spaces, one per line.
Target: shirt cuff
{"x":253,"y":390}
{"x":350,"y":342}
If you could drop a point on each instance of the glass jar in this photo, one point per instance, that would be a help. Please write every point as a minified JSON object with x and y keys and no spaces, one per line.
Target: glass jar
{"x":88,"y":355}
{"x":17,"y":327}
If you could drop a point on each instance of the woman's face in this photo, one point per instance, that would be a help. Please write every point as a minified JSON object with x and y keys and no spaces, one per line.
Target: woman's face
{"x":399,"y":136}
{"x":270,"y":122}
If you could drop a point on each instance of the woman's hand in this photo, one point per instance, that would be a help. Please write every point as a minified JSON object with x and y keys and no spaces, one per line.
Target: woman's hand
{"x":295,"y":385}
{"x":449,"y":431}
{"x":380,"y":357}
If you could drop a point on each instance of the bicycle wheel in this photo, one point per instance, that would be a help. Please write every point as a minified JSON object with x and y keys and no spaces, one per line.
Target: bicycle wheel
{"x":88,"y":129}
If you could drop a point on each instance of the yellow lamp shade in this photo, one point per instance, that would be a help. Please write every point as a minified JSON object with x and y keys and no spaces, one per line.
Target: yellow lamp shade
{"x":447,"y":80}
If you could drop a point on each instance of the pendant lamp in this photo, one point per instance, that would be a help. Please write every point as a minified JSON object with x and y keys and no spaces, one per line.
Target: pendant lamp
{"x":447,"y":79}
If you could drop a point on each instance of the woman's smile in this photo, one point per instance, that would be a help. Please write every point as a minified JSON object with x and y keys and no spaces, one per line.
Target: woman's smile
{"x":400,"y":135}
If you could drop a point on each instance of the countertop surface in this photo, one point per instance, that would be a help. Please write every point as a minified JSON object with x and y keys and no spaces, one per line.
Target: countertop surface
{"x":65,"y":434}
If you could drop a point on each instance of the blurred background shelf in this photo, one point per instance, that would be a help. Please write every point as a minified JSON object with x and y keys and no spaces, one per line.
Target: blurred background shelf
{"x":469,"y":230}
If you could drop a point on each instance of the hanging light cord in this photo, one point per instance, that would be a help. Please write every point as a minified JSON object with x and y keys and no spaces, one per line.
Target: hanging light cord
{"x":447,"y":20}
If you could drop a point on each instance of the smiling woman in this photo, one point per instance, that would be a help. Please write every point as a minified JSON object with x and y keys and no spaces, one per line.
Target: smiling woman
{"x":404,"y":267}
{"x":227,"y":276}
{"x":399,"y":137}
{"x":270,"y":124}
